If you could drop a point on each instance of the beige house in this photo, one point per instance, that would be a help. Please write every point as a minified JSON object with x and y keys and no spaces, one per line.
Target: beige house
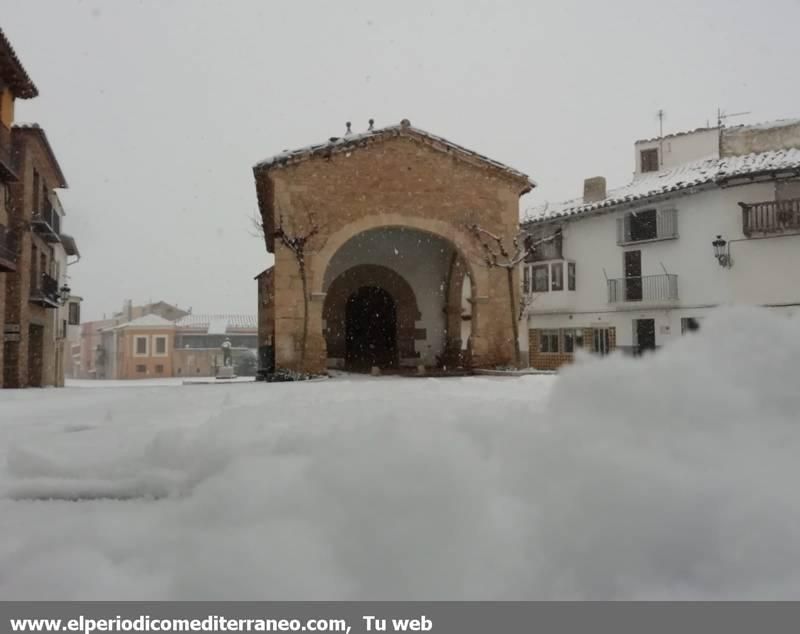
{"x":375,"y":264}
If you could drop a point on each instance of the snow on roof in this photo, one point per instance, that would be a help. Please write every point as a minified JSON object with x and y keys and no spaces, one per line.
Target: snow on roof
{"x":148,"y":321}
{"x":404,"y":128}
{"x":219,"y":324}
{"x":683,"y":177}
{"x":767,"y":125}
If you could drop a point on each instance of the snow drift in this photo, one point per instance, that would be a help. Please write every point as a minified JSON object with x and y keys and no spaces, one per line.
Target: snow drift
{"x":669,"y":476}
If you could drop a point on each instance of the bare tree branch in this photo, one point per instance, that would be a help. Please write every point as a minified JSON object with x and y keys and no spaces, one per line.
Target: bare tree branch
{"x":496,"y":255}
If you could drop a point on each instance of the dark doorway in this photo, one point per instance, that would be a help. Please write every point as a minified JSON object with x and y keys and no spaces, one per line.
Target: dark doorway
{"x":35,"y":355}
{"x":633,"y":276}
{"x":645,"y":334}
{"x":370,"y":329}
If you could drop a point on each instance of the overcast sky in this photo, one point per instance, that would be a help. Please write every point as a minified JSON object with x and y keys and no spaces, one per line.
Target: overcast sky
{"x":157,"y":110}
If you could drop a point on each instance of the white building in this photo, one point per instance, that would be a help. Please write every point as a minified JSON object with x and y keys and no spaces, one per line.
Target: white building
{"x":635,"y":267}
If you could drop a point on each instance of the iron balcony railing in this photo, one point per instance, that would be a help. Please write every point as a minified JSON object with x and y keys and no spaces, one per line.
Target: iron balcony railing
{"x":47,"y":222}
{"x":46,"y":293}
{"x":632,"y":229}
{"x":771,"y":216}
{"x":648,"y":288}
{"x":8,"y":251}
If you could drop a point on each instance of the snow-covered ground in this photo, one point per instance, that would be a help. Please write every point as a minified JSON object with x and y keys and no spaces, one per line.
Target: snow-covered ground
{"x":671,"y":476}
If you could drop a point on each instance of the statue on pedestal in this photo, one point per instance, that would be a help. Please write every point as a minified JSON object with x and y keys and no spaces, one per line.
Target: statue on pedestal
{"x":227,"y":359}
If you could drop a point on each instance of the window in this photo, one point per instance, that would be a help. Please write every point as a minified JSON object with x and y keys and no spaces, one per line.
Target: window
{"x":557,"y":276}
{"x":540,"y":281}
{"x":141,"y":369}
{"x":74,"y":313}
{"x":526,"y":279}
{"x":159,"y":369}
{"x":573,"y":338}
{"x":140,"y":346}
{"x":601,"y":340}
{"x":649,"y":160}
{"x":642,"y":225}
{"x":689,"y":324}
{"x":36,"y":190}
{"x":546,"y":246}
{"x":34,"y":260}
{"x":160,"y":343}
{"x":548,"y":341}
{"x":571,"y":276}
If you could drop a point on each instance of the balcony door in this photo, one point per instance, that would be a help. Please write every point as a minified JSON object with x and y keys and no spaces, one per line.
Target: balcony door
{"x":633,"y":276}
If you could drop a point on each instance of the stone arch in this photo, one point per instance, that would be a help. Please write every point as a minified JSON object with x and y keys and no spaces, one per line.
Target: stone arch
{"x":347,"y":284}
{"x":463,"y":244}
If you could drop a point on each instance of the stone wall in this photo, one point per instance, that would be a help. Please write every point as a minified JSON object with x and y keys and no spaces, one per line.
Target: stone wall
{"x":396,"y":182}
{"x":743,"y":140}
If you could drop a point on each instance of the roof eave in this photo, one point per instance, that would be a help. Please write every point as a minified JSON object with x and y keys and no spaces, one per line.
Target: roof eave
{"x":37,"y":130}
{"x":326,"y":150}
{"x":622,"y":204}
{"x":20,"y":82}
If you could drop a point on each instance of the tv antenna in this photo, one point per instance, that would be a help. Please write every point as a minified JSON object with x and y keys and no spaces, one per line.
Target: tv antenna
{"x":660,"y":114}
{"x":723,"y":116}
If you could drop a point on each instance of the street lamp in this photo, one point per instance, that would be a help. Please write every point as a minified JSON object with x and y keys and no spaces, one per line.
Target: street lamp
{"x":722,"y":251}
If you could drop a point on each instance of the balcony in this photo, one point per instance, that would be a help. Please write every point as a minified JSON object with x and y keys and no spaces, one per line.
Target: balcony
{"x":647,"y":225}
{"x":8,"y":252}
{"x":647,"y":288}
{"x":7,"y":171}
{"x":47,"y":223}
{"x":771,"y":217}
{"x":45,"y":294}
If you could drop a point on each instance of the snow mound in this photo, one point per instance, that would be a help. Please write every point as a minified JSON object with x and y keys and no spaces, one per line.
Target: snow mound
{"x":671,"y":476}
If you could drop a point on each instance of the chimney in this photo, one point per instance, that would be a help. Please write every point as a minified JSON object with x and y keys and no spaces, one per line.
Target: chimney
{"x":594,"y":189}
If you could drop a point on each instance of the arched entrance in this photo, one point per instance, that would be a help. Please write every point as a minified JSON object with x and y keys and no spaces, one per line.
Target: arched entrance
{"x":370,"y":307}
{"x":370,"y":329}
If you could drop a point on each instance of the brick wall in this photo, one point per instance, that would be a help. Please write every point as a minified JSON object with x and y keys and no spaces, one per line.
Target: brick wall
{"x":397,"y":182}
{"x":266,"y":307}
{"x":554,"y":360}
{"x":20,"y":367}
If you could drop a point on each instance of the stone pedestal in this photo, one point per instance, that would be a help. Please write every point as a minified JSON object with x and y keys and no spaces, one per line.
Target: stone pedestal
{"x":226,"y":372}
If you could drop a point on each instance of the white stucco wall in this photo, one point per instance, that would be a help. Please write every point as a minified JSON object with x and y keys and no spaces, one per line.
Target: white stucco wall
{"x":762,"y":272}
{"x":681,"y":148}
{"x":421,"y":259}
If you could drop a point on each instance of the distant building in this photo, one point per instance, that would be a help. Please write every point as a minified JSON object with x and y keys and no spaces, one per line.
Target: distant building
{"x":139,"y":349}
{"x":36,"y":305}
{"x":93,"y":358}
{"x":635,"y":267}
{"x":151,"y":346}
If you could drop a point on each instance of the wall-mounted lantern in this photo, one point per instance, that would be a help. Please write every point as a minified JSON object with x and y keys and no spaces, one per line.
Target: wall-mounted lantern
{"x":722,"y":252}
{"x":64,"y":293}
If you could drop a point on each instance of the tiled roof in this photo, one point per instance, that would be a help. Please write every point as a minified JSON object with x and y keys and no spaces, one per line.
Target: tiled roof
{"x":39,"y":131}
{"x":148,"y":321}
{"x":13,"y":72}
{"x":683,"y":177}
{"x":336,"y":145}
{"x":216,"y":322}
